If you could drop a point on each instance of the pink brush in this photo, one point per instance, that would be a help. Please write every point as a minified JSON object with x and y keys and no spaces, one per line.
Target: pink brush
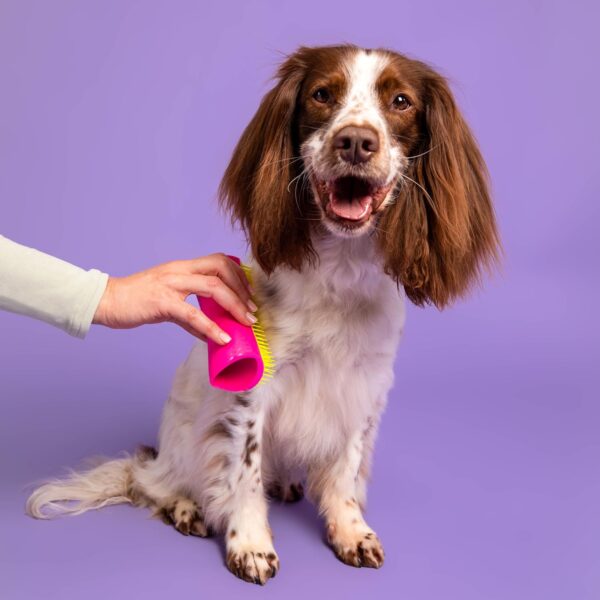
{"x":245,"y":361}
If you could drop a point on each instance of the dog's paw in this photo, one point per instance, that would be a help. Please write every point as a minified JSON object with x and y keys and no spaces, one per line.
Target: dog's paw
{"x":252,"y":564}
{"x":291,"y":492}
{"x":185,"y":516}
{"x":357,"y":547}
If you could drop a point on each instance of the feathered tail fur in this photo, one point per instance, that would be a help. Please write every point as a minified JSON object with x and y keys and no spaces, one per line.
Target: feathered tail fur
{"x":105,"y":484}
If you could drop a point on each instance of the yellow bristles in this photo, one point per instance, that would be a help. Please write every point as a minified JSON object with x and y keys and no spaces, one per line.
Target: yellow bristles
{"x":261,"y":338}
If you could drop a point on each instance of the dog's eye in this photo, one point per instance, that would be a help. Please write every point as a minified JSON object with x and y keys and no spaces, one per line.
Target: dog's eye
{"x":401,"y":102}
{"x":322,"y":95}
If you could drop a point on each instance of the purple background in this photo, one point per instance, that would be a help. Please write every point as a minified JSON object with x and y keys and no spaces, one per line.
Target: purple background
{"x":116,"y":122}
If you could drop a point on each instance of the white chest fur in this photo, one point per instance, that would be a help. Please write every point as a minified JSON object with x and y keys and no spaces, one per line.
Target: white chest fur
{"x":333,"y":330}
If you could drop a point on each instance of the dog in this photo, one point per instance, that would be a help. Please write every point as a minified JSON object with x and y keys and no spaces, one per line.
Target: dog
{"x":358,"y":183}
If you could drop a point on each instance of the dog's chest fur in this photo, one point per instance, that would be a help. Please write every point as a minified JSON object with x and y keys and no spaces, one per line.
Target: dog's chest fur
{"x":333,"y":330}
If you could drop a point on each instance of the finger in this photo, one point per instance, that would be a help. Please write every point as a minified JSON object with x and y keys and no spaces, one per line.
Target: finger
{"x":187,"y":328}
{"x":241,"y":275}
{"x":228,"y":270}
{"x":233,"y":274}
{"x":211,"y":286}
{"x":244,"y":284}
{"x":197,"y":323}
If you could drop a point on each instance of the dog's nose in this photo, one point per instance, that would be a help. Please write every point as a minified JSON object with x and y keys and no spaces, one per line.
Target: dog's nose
{"x":356,"y":144}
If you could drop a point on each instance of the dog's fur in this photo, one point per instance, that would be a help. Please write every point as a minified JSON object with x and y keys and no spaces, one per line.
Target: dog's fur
{"x":330,"y":284}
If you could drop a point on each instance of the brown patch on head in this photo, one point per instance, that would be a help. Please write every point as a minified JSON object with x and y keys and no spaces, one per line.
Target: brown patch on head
{"x":323,"y":89}
{"x":399,"y":79}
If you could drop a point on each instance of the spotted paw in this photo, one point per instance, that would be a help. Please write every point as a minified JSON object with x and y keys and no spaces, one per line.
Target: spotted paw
{"x":252,"y":565}
{"x":356,"y":548}
{"x":186,"y":517}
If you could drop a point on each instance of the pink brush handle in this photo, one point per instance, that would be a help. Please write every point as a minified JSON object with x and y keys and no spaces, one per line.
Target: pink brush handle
{"x":238,"y":365}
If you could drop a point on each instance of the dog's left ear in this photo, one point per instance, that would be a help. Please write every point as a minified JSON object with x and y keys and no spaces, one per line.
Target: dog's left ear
{"x":441,"y":232}
{"x":260,"y":185}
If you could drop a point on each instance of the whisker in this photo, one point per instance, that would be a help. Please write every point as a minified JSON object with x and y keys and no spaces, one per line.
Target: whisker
{"x":422,"y":153}
{"x":308,"y":171}
{"x":429,"y":201}
{"x":313,"y":128}
{"x":401,"y":137}
{"x":303,"y":173}
{"x":283,"y":160}
{"x":380,"y":229}
{"x":294,"y":179}
{"x":429,"y":198}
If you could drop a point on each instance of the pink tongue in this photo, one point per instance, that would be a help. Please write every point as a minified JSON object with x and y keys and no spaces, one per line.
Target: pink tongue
{"x":354,"y":209}
{"x":350,"y":198}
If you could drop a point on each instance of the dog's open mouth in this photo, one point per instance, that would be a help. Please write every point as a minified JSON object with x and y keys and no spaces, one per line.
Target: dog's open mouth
{"x":351,"y":200}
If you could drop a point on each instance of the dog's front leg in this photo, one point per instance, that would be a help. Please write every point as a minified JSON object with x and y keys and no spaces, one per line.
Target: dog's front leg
{"x":250,"y":552}
{"x":334,"y":485}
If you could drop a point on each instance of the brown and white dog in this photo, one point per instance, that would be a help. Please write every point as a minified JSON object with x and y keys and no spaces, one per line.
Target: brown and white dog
{"x":356,"y":180}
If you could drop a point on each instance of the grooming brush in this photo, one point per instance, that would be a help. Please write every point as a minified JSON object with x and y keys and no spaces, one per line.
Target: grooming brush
{"x":246,"y":360}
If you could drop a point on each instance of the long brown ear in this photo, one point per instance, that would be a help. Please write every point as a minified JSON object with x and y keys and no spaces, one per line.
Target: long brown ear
{"x":258,"y":186}
{"x":441,"y":233}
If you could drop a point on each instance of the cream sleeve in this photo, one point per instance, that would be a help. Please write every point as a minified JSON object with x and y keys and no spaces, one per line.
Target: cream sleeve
{"x":49,"y":289}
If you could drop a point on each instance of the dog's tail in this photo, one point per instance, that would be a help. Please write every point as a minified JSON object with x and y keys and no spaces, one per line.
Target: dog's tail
{"x":107,"y":483}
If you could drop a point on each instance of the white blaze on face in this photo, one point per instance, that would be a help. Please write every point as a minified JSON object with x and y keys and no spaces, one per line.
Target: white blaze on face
{"x":351,"y":191}
{"x":361,"y":105}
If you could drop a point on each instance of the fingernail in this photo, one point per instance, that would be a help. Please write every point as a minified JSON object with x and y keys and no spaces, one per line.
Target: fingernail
{"x":251,"y":317}
{"x":252,"y":306}
{"x":225,"y":338}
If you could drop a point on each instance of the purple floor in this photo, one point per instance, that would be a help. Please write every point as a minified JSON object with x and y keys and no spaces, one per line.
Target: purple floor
{"x":486,"y":484}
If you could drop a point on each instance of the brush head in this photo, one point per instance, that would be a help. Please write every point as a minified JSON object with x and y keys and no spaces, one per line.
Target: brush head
{"x":261,"y":337}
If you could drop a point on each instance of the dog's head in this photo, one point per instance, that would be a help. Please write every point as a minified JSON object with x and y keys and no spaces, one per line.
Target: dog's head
{"x":365,"y":142}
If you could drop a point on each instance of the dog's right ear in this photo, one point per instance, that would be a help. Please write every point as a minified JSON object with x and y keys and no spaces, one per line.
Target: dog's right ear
{"x":258,"y":187}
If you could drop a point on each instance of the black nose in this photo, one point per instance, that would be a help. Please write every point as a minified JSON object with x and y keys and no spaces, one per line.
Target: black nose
{"x":356,"y":144}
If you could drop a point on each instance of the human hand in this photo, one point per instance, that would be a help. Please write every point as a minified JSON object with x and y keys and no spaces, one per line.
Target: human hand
{"x":158,"y":295}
